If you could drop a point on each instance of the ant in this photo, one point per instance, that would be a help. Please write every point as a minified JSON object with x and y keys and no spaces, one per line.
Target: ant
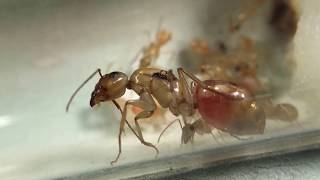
{"x":220,"y":103}
{"x":152,"y":51}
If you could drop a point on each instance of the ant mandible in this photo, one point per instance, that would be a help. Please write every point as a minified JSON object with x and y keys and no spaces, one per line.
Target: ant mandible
{"x":216,"y":101}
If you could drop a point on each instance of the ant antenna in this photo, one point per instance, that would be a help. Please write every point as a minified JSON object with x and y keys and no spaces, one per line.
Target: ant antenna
{"x":168,"y":127}
{"x":77,"y":90}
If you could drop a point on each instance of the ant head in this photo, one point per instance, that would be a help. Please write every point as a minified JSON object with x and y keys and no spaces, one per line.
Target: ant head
{"x":109,"y":87}
{"x":163,"y":36}
{"x":188,"y":132}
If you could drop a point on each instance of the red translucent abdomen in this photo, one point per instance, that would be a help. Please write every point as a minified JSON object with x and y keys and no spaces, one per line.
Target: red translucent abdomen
{"x":215,"y":108}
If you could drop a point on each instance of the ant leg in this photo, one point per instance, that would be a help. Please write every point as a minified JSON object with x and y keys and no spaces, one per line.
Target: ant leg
{"x":118,"y":106}
{"x":185,"y":88}
{"x":121,"y":129}
{"x":180,"y":124}
{"x":148,"y":105}
{"x":214,"y":137}
{"x":168,"y":127}
{"x":181,"y":73}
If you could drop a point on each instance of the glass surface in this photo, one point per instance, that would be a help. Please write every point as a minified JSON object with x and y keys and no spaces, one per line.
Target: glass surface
{"x":48,"y":48}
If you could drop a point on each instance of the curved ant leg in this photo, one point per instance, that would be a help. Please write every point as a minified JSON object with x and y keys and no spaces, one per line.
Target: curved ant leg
{"x":214,"y":137}
{"x":185,"y":88}
{"x":204,"y":86}
{"x":186,"y":108}
{"x":168,"y":127}
{"x":181,"y":71}
{"x":121,"y":129}
{"x":148,"y":105}
{"x":202,"y":127}
{"x":192,"y":140}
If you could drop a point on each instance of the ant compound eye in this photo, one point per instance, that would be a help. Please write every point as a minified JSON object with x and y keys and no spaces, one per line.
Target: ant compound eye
{"x":115,"y":75}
